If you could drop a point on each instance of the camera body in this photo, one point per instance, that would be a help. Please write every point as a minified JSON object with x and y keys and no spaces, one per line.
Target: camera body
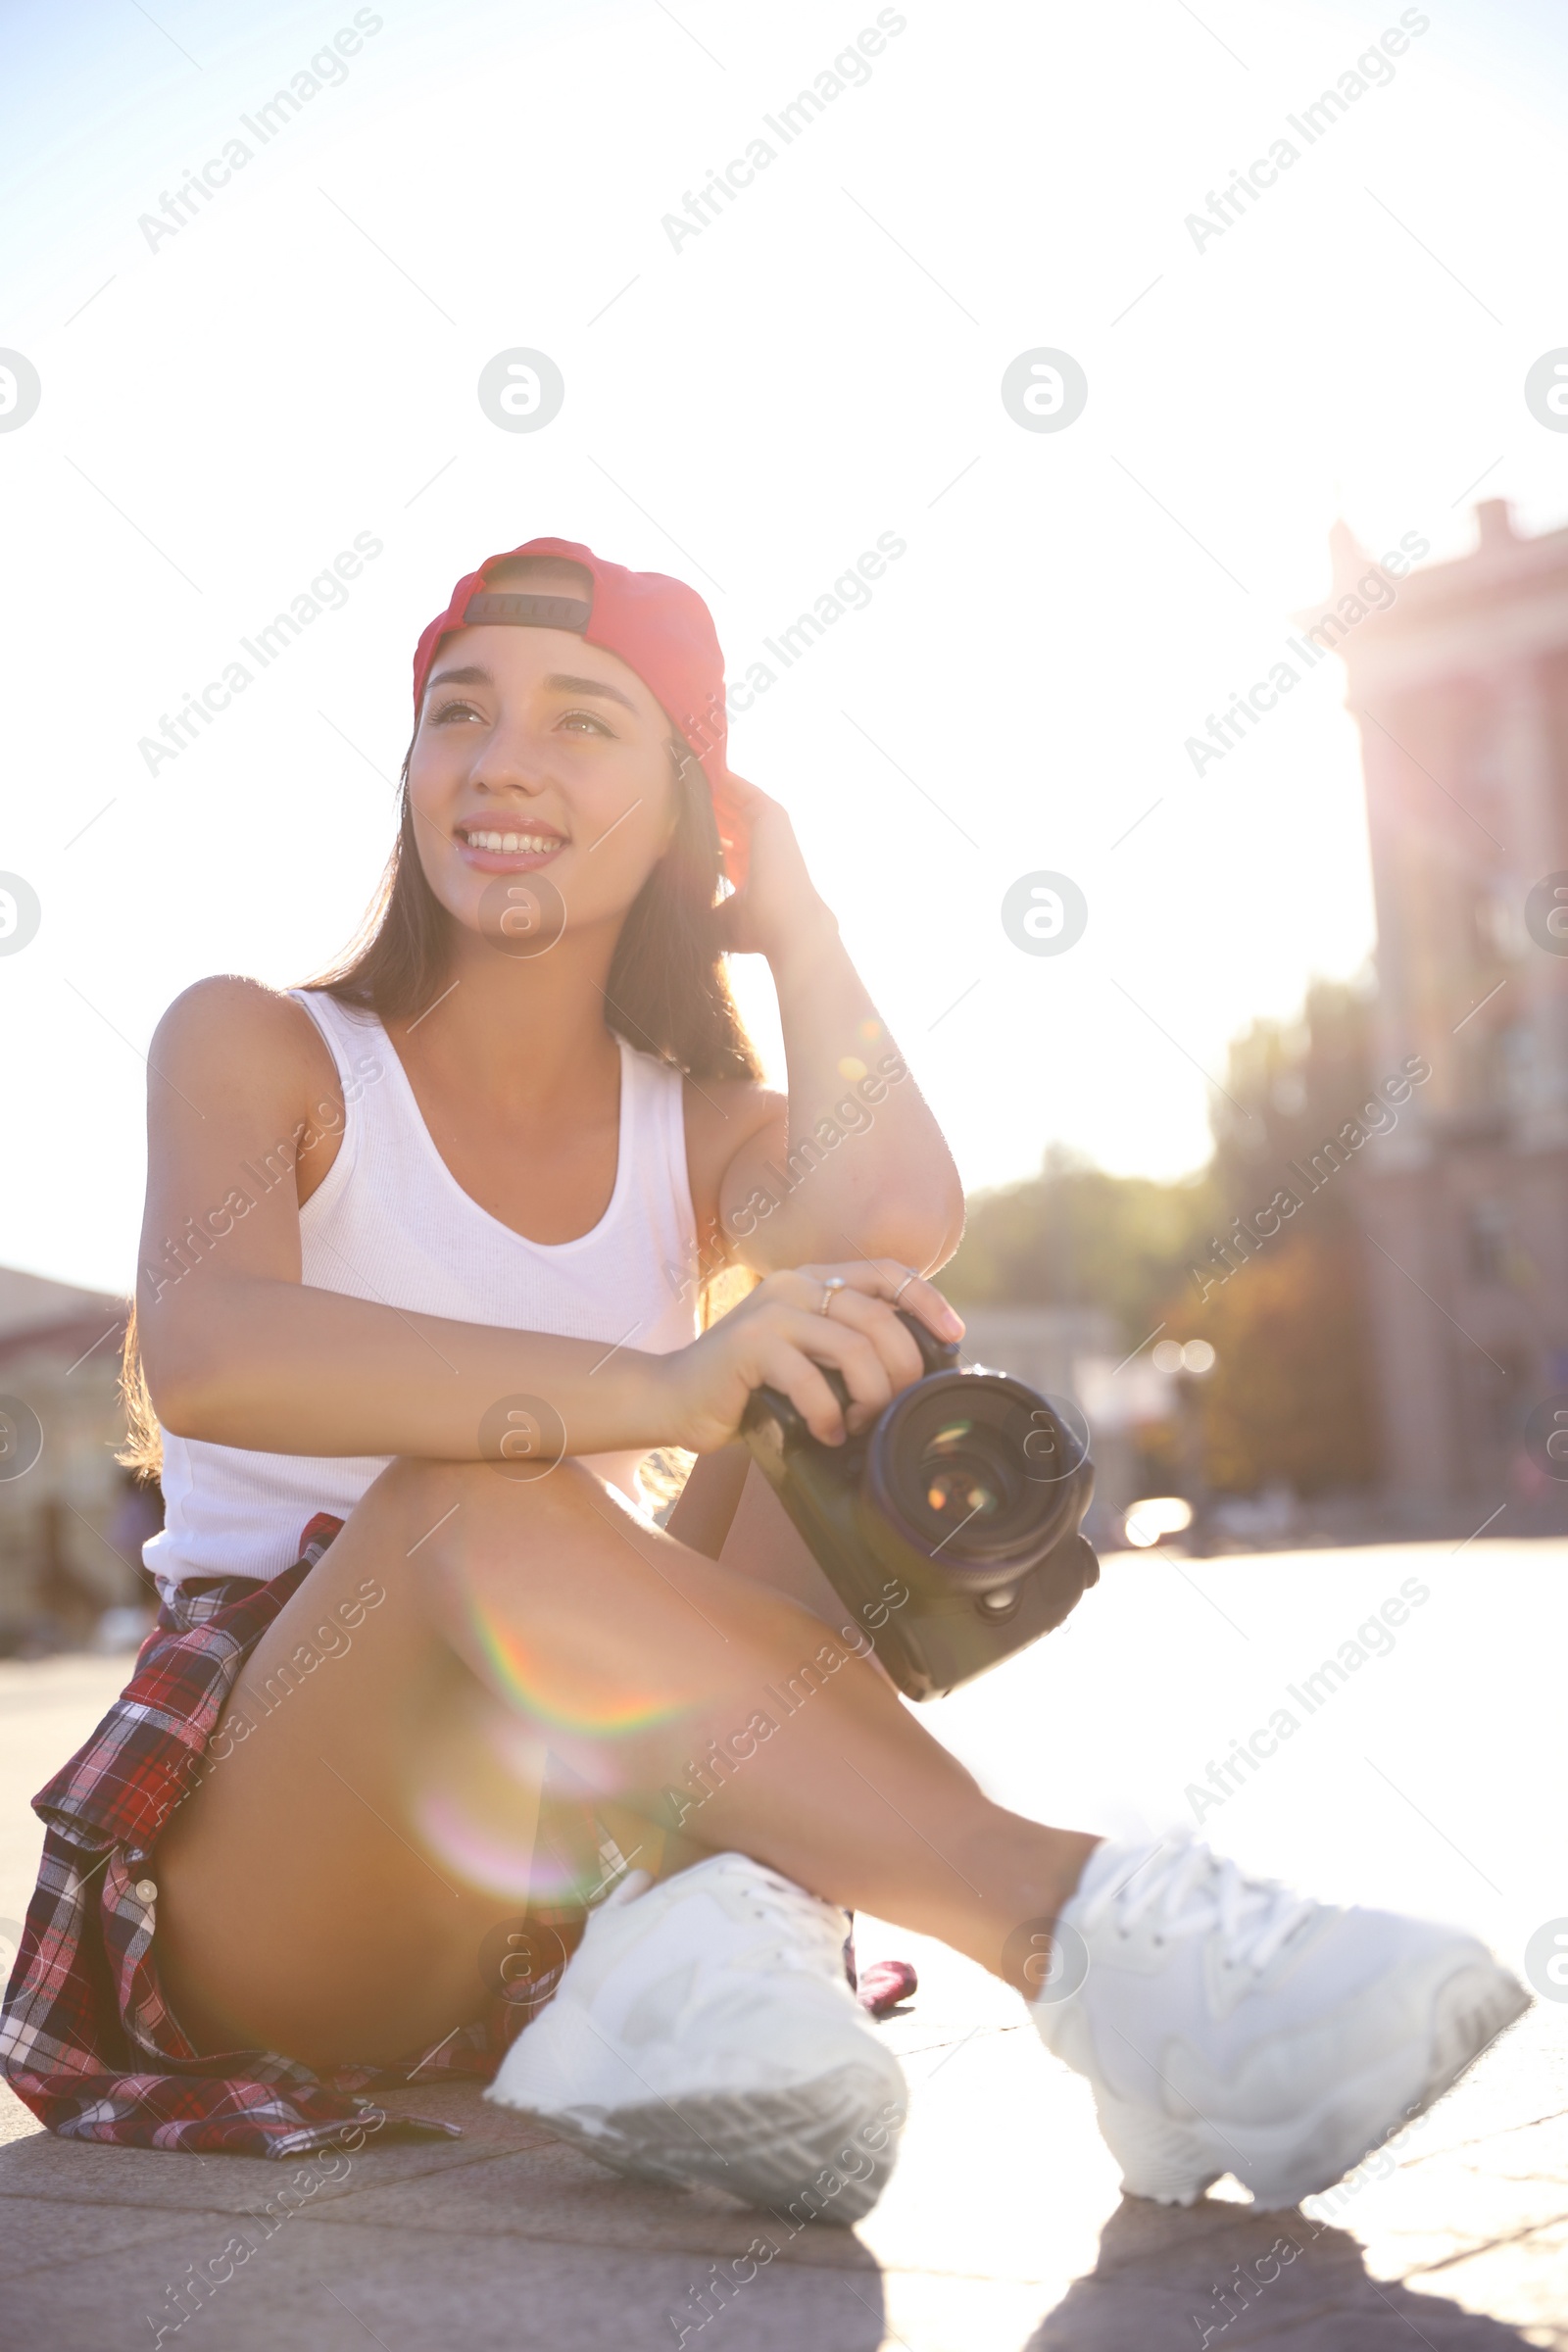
{"x":950,"y":1527}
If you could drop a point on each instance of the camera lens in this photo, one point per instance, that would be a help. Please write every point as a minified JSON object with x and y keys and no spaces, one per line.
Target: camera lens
{"x":952,"y":1466}
{"x":964,"y":1478}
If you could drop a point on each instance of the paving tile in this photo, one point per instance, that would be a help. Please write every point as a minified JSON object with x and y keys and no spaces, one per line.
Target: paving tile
{"x":43,"y":2236}
{"x":1526,"y":2279}
{"x":43,"y":2169}
{"x":38,"y":2166}
{"x":938,"y":2314}
{"x":1002,"y":2174}
{"x":16,"y":2120}
{"x":558,"y":2194}
{"x":328,"y":2288}
{"x":1475,"y":2208}
{"x":1159,"y":2280}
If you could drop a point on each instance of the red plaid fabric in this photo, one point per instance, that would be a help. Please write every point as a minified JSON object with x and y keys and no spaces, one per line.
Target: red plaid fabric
{"x":86,"y":2038}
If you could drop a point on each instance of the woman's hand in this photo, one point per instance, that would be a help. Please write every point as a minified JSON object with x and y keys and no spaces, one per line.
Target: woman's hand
{"x":778,"y":908}
{"x":779,"y":1338}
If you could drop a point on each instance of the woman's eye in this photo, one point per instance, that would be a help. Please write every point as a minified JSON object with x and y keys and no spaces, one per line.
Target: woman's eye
{"x":449,"y":714}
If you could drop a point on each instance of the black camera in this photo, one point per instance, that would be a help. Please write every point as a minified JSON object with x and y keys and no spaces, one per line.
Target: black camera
{"x":950,"y":1527}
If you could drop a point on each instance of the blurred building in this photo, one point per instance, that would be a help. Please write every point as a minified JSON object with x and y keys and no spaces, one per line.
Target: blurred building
{"x":1458,"y":682}
{"x":71,"y":1523}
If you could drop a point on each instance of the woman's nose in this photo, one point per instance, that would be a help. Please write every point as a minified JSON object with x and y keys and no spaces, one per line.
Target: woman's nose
{"x":511,"y":760}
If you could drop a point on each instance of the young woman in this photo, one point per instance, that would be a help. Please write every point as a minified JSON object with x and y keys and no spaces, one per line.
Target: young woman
{"x":421,"y":1272}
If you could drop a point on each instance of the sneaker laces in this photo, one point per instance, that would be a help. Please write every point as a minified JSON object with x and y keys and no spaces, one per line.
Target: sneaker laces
{"x":774,"y":1900}
{"x":810,"y":1918}
{"x":1194,"y":1890}
{"x":805,"y":1917}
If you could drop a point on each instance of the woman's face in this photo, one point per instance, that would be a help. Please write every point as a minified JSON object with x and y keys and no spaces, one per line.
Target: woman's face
{"x":538,"y":754}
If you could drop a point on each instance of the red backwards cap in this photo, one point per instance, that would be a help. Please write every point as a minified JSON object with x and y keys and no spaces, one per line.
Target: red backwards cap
{"x":657,"y":625}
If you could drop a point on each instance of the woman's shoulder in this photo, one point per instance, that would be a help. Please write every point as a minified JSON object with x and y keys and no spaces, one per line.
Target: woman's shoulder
{"x":230,"y":1021}
{"x":739,"y":1105}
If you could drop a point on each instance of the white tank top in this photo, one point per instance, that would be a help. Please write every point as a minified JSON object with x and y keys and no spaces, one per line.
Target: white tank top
{"x":391,"y":1223}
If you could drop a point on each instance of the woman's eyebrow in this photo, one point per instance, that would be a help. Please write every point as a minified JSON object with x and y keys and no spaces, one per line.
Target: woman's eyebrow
{"x":611,"y":694}
{"x":474,"y":676}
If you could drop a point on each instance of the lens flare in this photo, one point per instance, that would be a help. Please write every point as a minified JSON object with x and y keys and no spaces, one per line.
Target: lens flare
{"x":533,"y":1871}
{"x":507,"y":1814}
{"x":591,"y":1699}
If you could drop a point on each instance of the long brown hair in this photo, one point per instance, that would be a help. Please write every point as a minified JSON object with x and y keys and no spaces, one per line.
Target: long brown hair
{"x":668,"y":993}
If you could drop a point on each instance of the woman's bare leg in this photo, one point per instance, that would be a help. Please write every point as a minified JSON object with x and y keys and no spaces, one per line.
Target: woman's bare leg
{"x":729,"y":1513}
{"x":328,"y":1886}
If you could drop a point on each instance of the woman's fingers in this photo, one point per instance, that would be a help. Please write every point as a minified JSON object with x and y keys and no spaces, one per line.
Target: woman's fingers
{"x":898,"y":1285}
{"x":803,"y":1384}
{"x":922,"y":1298}
{"x":796,"y":1377}
{"x":799,"y":1347}
{"x":861,"y":1297}
{"x":876,"y":1322}
{"x":781,"y":1338}
{"x":750,"y":798}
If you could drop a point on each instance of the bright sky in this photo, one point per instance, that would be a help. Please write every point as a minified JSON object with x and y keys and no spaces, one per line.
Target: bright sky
{"x":225,"y":410}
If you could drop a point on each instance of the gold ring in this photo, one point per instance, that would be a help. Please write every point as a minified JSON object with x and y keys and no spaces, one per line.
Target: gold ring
{"x":834,"y":1282}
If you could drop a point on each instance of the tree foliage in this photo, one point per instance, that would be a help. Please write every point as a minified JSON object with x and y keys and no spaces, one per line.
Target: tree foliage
{"x":1074,"y":1236}
{"x":1291,"y":1397}
{"x":1289,"y":1085}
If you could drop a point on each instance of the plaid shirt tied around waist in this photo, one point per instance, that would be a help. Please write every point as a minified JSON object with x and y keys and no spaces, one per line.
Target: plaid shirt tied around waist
{"x":86,"y":2038}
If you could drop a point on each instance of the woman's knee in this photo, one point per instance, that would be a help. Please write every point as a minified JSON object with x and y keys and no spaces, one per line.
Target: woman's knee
{"x":435,"y":1533}
{"x":483,"y":1489}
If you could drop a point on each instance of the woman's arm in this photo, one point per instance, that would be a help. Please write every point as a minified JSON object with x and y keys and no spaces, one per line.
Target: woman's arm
{"x":853,"y":1163}
{"x":244,"y":1119}
{"x":245,"y":1115}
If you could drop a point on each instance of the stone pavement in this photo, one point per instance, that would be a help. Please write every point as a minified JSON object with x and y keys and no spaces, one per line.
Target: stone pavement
{"x":1430,"y":1778}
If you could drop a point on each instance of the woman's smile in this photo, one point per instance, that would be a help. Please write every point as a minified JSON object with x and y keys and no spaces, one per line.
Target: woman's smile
{"x":497,"y":844}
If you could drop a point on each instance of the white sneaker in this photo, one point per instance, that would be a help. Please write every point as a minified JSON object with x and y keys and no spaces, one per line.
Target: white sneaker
{"x":704,"y":2031}
{"x":1229,"y":2025}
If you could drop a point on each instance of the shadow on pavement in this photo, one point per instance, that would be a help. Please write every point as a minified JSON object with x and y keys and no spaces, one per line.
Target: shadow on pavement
{"x":1221,"y":2275}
